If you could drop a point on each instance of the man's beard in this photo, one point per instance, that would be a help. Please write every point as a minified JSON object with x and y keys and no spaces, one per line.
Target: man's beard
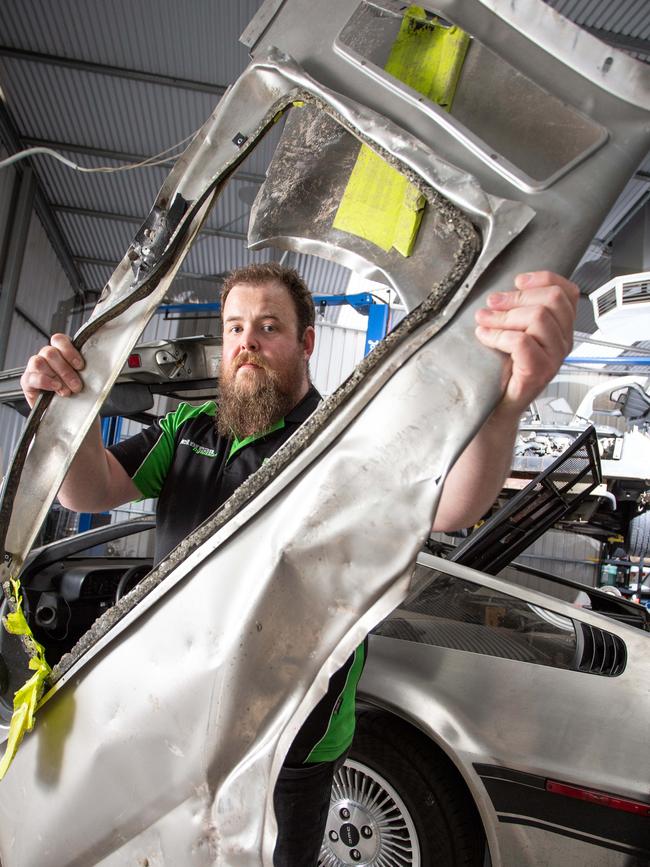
{"x":252,"y":402}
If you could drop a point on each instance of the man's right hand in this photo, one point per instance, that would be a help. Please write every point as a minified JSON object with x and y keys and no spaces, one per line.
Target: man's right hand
{"x":53,"y":369}
{"x":96,"y":481}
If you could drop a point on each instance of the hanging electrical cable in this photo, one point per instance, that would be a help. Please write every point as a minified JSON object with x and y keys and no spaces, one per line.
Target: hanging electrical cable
{"x":155,"y":160}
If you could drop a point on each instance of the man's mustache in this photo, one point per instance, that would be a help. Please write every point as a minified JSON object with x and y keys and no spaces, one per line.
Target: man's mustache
{"x":247,"y":357}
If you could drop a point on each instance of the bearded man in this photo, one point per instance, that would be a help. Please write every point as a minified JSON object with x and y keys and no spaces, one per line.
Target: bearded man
{"x":194,"y":458}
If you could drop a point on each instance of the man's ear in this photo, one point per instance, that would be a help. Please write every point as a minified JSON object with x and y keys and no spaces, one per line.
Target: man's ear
{"x":308,"y":340}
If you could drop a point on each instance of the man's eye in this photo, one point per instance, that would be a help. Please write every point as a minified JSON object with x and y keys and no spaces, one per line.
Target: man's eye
{"x":235,"y":329}
{"x":269,"y":327}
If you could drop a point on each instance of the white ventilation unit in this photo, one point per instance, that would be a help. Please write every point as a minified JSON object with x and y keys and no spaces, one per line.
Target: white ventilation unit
{"x":622,"y":308}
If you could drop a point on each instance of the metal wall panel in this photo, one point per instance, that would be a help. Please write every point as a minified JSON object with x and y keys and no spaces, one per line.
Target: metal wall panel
{"x":159,"y":328}
{"x":232,"y":209}
{"x":568,"y":555}
{"x":7,"y":177}
{"x":338,"y":350}
{"x":633,"y":193}
{"x":133,"y":192}
{"x":23,"y":342}
{"x":11,"y":426}
{"x":95,"y":276}
{"x":41,"y":287}
{"x":569,"y":386}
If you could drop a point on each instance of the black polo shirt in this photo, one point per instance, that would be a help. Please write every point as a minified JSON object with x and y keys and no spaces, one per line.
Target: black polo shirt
{"x":192,"y":469}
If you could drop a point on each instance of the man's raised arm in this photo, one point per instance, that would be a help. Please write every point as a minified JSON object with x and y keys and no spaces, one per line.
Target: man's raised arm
{"x":533,"y":325}
{"x":96,"y":481}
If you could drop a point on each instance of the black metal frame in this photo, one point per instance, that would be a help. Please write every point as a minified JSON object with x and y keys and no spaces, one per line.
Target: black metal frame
{"x":544,"y":501}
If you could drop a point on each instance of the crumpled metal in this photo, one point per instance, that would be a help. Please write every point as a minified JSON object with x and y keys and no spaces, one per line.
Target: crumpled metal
{"x":164,"y":731}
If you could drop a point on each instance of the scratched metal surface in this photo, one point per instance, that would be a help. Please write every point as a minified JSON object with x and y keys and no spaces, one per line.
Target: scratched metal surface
{"x":165,"y":729}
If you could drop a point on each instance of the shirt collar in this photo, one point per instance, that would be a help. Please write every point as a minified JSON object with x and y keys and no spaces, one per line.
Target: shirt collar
{"x":304,"y":408}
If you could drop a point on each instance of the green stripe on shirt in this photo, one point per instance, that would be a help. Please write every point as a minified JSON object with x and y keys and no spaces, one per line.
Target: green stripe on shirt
{"x":152,"y":472}
{"x":340,"y":730}
{"x":239,"y":444}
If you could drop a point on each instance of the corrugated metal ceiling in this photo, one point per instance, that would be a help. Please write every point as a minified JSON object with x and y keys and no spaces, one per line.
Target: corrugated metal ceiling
{"x":611,"y":17}
{"x":110,"y":83}
{"x":71,"y":77}
{"x":197,"y":40}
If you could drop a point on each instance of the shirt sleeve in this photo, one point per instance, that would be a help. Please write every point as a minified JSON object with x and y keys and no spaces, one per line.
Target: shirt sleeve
{"x":147,"y":456}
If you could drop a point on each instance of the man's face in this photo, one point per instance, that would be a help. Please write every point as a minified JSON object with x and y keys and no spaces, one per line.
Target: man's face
{"x":264,"y":363}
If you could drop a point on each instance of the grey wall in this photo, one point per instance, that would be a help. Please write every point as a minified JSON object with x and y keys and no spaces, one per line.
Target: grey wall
{"x":41,"y":287}
{"x":631,"y":249}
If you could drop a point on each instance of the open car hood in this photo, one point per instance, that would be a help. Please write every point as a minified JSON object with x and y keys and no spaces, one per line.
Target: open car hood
{"x":163,"y":731}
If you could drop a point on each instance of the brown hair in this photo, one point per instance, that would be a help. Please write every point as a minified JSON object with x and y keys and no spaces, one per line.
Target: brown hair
{"x":272,"y":271}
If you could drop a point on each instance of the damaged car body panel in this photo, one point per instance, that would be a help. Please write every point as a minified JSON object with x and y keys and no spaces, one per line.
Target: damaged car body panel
{"x":180,"y":703}
{"x":142,"y":278}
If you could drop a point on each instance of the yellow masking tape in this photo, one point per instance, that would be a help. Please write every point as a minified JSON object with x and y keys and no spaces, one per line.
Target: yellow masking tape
{"x":428,"y":56}
{"x":379,"y":203}
{"x":27,"y":697}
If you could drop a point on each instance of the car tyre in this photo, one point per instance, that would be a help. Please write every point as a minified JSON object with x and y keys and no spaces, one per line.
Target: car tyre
{"x":638,"y":536}
{"x":397,"y":802}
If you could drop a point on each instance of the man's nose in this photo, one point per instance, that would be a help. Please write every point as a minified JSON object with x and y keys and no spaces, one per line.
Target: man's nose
{"x":249,"y":339}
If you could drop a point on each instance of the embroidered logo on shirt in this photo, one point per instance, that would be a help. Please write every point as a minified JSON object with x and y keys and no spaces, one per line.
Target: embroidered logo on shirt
{"x":199,"y":450}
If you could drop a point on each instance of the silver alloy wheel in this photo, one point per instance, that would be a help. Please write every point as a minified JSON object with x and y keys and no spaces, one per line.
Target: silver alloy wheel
{"x":368,"y":823}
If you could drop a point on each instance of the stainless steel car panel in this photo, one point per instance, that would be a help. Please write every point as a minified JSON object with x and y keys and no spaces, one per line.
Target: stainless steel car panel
{"x":199,"y":640}
{"x":521,"y":716}
{"x":164,"y":732}
{"x":536,"y":847}
{"x":528,"y":35}
{"x":536,"y":719}
{"x":267,"y":87}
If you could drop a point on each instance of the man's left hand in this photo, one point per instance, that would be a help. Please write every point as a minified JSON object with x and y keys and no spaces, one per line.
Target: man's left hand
{"x":533,"y":324}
